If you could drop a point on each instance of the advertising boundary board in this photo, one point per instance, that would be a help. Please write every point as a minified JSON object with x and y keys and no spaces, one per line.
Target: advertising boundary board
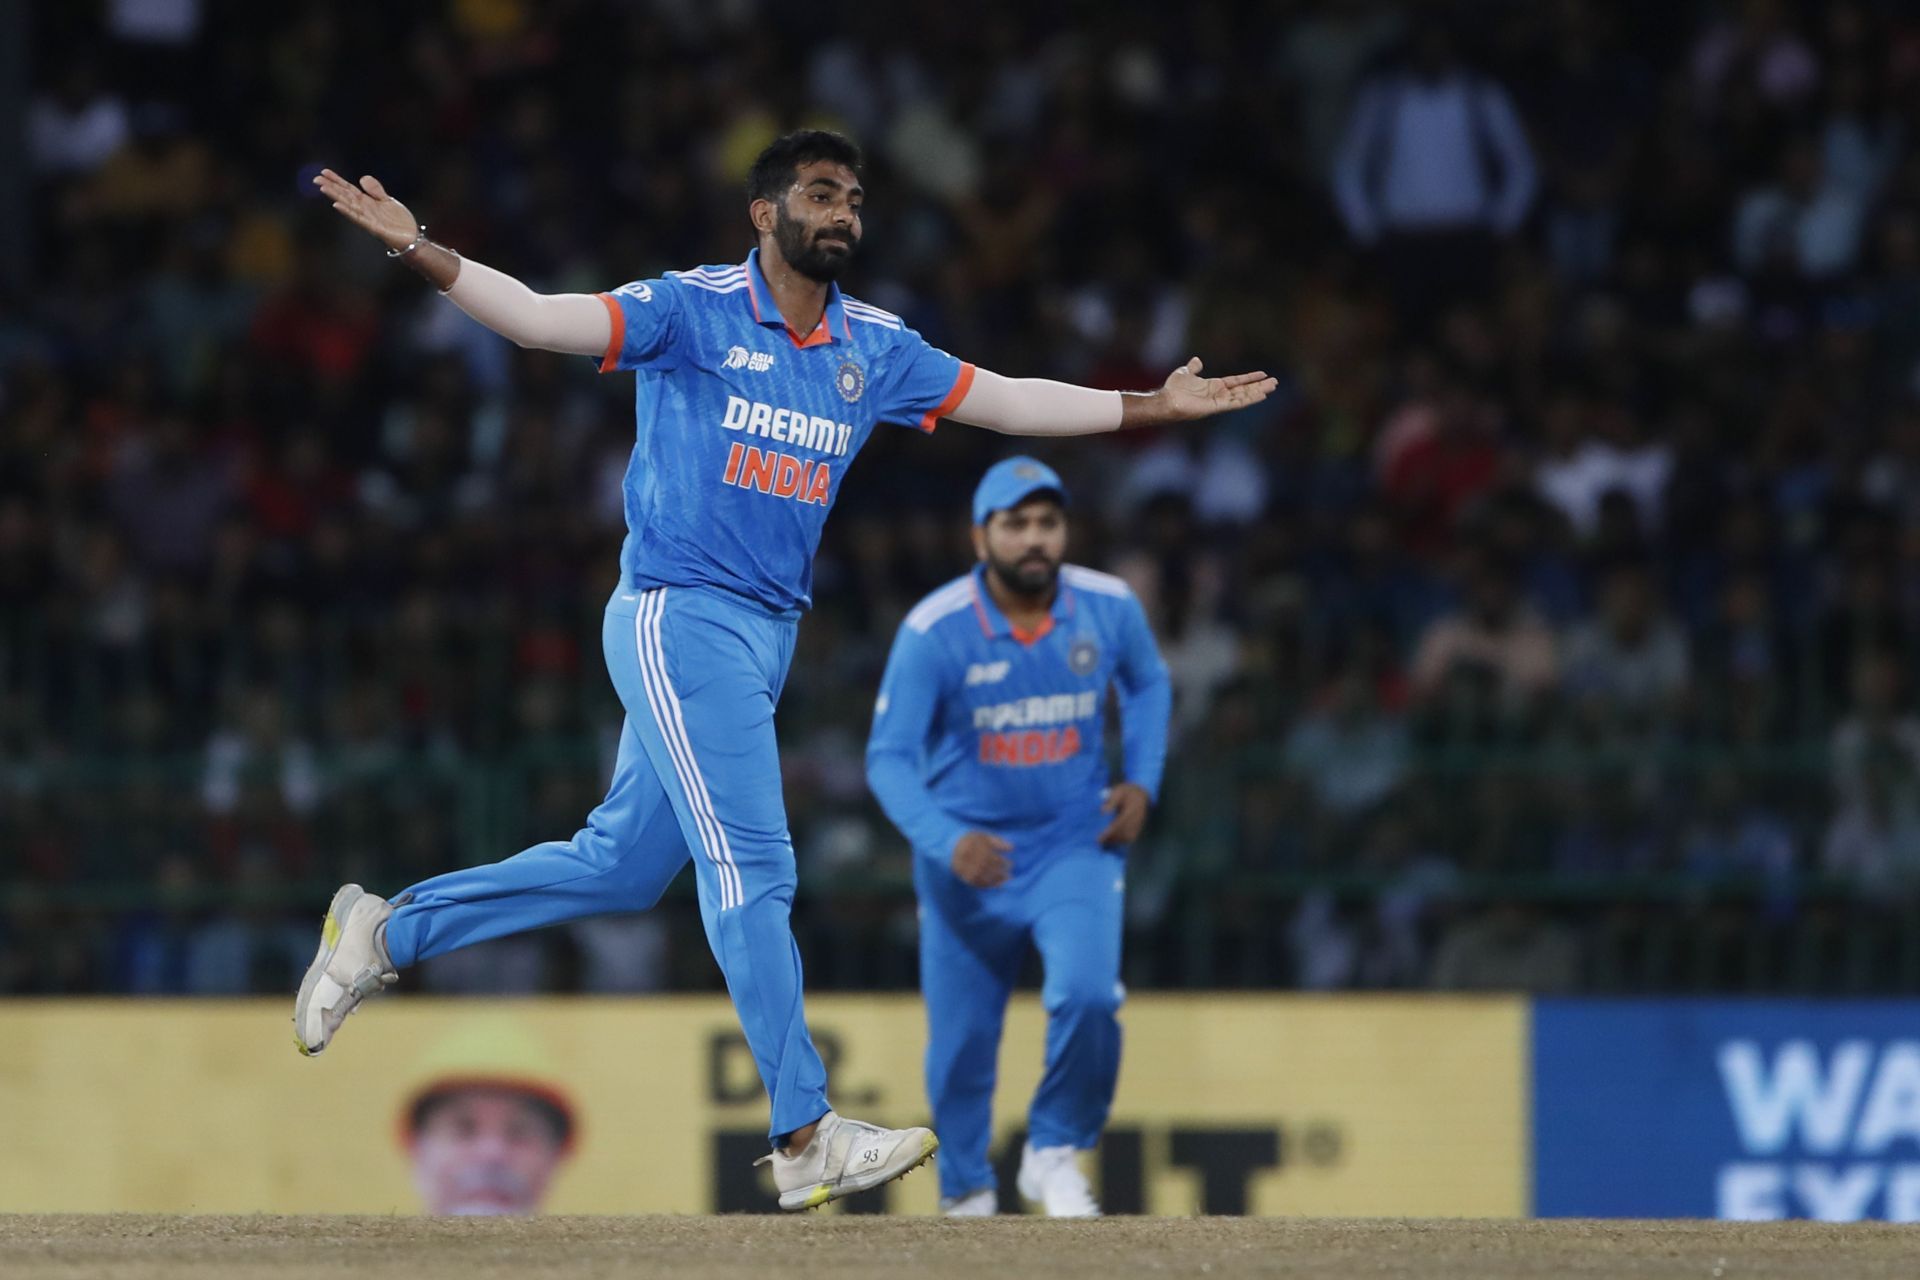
{"x":1265,"y":1104}
{"x":1745,"y":1109}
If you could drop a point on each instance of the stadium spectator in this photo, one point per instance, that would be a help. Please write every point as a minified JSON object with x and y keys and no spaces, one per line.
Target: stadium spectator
{"x":1755,"y":48}
{"x":1508,"y":947}
{"x":1738,"y":837}
{"x":73,"y":129}
{"x":1434,"y":167}
{"x":1626,"y":671}
{"x":1873,"y":842}
{"x":1493,"y":656}
{"x":1438,"y":456}
{"x":1586,"y":116}
{"x":1351,"y":751}
{"x":1878,"y":732}
{"x":1417,"y":884}
{"x":1803,"y":220}
{"x":1606,"y":829}
{"x":1594,"y":451}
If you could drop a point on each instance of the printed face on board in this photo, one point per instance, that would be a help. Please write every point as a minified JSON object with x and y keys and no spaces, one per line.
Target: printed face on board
{"x":485,"y":1152}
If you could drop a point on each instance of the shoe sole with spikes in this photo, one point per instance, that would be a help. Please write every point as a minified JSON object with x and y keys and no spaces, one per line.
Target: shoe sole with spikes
{"x":327,"y":997}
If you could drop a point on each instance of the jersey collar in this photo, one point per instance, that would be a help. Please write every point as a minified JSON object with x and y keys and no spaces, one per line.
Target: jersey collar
{"x":994,"y":623}
{"x":833,"y":326}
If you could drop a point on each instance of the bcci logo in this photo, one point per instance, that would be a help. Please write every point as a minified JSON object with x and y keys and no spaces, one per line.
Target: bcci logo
{"x":850,"y":381}
{"x":1084,"y":656}
{"x":741,"y":358}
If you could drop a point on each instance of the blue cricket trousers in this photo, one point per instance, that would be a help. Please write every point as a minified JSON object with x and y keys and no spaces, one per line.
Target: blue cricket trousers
{"x":1068,"y":903}
{"x":698,"y":771}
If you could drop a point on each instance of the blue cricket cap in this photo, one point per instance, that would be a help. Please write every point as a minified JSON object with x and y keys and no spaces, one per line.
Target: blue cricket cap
{"x":1011,"y":482}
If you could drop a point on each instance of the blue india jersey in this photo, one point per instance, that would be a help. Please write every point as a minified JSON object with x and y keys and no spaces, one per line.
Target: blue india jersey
{"x":980,"y":726}
{"x":745,"y":429}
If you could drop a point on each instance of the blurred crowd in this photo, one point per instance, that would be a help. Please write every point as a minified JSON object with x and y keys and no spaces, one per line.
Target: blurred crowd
{"x":1579,"y":554}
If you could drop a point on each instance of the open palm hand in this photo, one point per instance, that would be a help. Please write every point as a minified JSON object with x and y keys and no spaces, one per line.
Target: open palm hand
{"x":369,"y":206}
{"x":1187,"y":395}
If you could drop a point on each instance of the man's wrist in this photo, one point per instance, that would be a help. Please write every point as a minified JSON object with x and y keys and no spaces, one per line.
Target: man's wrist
{"x":1143,"y":409}
{"x":432,"y":262}
{"x":402,"y":250}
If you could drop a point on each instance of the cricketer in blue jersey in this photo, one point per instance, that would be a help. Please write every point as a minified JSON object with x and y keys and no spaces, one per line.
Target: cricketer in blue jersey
{"x":756,"y":383}
{"x":988,"y":753}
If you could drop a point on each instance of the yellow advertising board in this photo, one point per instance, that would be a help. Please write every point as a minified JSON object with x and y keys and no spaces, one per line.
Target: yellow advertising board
{"x":1251,"y":1104}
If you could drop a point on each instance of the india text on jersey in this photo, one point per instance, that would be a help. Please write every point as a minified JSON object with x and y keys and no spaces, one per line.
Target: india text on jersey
{"x":1036,"y":745}
{"x":780,"y":474}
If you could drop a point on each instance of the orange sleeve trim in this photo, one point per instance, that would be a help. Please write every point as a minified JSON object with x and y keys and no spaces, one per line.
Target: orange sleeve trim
{"x":611,"y":360}
{"x":961,"y":385}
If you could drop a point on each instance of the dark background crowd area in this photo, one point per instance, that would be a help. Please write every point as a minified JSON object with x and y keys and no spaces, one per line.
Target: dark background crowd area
{"x":1554,"y":626}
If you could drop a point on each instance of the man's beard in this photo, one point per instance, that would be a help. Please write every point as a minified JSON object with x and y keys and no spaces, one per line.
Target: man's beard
{"x":1030,"y":576}
{"x":808,"y":253}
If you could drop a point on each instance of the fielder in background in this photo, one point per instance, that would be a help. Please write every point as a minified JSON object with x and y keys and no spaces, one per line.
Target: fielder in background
{"x":988,"y":753}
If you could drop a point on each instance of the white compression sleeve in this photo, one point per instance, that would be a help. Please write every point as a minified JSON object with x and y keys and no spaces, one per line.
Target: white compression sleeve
{"x":575,"y":323}
{"x":1037,"y":407}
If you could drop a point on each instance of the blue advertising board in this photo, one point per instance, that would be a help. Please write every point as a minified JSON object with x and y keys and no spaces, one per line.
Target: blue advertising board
{"x":1726,"y":1109}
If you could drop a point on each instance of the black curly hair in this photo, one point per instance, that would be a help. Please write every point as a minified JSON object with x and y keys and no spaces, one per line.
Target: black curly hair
{"x":775,"y":168}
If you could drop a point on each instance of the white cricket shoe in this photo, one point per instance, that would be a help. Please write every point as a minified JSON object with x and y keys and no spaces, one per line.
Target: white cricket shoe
{"x":846,"y":1156}
{"x":1050,"y":1177}
{"x":351,"y":965}
{"x":983,"y":1203}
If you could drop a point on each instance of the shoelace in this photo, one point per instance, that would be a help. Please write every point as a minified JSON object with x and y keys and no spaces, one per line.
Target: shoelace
{"x":853,"y":1129}
{"x":843,"y":1124}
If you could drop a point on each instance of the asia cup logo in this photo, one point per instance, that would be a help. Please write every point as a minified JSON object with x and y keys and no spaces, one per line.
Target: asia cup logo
{"x":741,"y":358}
{"x":851,"y":381}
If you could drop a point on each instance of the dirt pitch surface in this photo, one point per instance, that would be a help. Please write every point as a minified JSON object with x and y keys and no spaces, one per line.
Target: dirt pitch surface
{"x":850,"y":1248}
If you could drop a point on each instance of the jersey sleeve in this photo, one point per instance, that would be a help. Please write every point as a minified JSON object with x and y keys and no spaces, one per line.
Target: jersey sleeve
{"x":924,"y":383}
{"x":1146,"y":700}
{"x":903,"y":721}
{"x":647,"y":320}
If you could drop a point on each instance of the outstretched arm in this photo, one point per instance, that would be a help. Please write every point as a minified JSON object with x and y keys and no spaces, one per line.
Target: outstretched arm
{"x":575,"y":323}
{"x":1038,"y":407}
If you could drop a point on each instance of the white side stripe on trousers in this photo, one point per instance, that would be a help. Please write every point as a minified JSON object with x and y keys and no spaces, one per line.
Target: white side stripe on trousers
{"x":665,"y":705}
